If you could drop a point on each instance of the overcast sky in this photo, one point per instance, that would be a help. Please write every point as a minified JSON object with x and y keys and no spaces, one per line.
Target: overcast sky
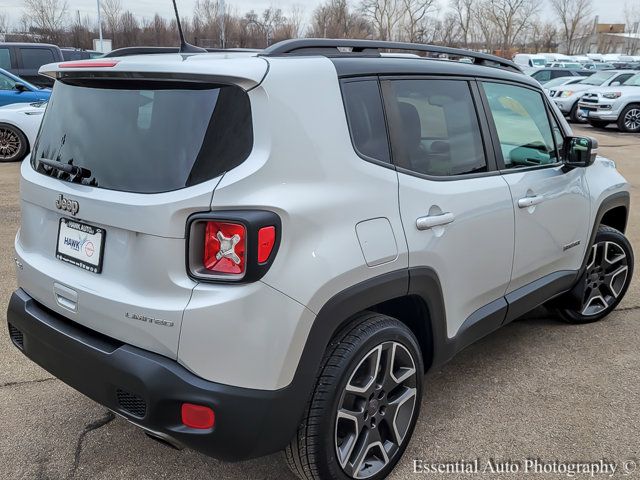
{"x":610,"y":11}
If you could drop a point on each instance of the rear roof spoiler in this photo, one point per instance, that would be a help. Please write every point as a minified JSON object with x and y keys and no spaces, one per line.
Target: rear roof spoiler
{"x":338,"y":47}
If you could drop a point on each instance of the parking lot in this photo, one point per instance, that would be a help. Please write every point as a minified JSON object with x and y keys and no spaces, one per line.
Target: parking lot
{"x":536,"y":389}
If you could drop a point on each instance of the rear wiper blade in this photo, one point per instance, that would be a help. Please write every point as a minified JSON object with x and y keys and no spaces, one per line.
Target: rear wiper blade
{"x":77,"y":172}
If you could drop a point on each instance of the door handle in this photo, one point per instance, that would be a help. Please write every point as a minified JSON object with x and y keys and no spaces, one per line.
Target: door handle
{"x":430,"y":221}
{"x":527,"y":202}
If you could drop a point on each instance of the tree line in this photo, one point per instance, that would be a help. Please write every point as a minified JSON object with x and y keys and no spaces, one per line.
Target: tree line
{"x":501,"y":26}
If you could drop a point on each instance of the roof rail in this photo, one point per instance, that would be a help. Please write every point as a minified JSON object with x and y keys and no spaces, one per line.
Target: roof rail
{"x":338,"y":47}
{"x":128,"y":51}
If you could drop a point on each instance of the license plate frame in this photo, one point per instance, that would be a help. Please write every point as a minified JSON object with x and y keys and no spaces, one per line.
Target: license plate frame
{"x":78,"y":242}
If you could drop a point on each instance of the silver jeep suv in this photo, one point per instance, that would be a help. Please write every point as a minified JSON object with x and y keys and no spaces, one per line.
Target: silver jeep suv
{"x":247,"y":252}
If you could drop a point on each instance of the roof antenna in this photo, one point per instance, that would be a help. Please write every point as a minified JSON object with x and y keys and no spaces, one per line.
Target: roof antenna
{"x":185,"y":47}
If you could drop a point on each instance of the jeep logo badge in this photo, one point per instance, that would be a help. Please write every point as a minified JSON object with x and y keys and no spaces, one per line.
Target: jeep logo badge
{"x":67,"y":205}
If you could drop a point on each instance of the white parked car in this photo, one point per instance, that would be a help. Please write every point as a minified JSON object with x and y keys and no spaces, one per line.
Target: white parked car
{"x":566,"y":97}
{"x":619,"y":104}
{"x":19,"y":124}
{"x":529,"y":60}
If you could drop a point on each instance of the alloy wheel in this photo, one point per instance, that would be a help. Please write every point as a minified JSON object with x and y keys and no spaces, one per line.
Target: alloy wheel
{"x":632,"y":119}
{"x":376,"y":410}
{"x":606,"y":277}
{"x":9,"y":144}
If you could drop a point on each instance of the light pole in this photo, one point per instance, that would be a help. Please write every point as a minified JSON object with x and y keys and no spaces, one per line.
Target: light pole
{"x":100,"y":27}
{"x":223,"y":34}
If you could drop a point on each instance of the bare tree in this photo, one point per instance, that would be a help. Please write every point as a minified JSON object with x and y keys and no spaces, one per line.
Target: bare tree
{"x":48,"y":17}
{"x":510,"y":18}
{"x":385,"y":15}
{"x":4,"y":24}
{"x":111,"y":12}
{"x":574,"y":16}
{"x":335,"y":19}
{"x":413,"y":22}
{"x":464,"y":12}
{"x":632,"y":22}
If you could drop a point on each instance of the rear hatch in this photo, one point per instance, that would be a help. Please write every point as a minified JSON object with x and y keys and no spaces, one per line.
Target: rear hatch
{"x":121,"y":161}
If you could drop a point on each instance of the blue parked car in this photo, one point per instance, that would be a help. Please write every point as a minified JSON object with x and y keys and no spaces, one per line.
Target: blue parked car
{"x":15,"y":90}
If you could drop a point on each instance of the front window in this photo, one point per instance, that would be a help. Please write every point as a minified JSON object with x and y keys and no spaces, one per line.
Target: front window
{"x":597,"y":79}
{"x":6,"y":82}
{"x":522,"y":123}
{"x":538,"y":62}
{"x":633,"y":81}
{"x":144,"y":136}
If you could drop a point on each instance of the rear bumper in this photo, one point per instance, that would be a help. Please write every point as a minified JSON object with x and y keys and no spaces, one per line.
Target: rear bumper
{"x":149,"y":389}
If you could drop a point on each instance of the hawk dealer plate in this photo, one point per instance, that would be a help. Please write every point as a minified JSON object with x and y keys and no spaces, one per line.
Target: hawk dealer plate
{"x":80,"y":244}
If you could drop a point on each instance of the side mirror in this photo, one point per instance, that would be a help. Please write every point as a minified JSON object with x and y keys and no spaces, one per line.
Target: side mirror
{"x":615,"y":84}
{"x":580,"y":151}
{"x":20,"y":87}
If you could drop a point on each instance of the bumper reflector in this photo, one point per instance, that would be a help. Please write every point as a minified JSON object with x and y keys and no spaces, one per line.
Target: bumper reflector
{"x":197,"y":416}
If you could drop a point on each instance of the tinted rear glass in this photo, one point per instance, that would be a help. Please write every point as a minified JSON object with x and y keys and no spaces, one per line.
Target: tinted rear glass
{"x":34,"y":58}
{"x":145,"y":137}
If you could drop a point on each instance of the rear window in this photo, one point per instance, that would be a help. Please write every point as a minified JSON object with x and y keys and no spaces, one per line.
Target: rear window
{"x":145,"y":136}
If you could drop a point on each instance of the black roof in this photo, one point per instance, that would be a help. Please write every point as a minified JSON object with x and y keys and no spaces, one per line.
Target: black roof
{"x":389,"y":65}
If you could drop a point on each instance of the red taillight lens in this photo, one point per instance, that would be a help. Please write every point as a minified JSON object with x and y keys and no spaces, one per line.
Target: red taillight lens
{"x":266,"y":242}
{"x":197,"y":416}
{"x":225,"y":247}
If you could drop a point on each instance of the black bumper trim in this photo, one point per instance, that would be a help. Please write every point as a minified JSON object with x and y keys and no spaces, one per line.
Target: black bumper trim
{"x":249,"y":423}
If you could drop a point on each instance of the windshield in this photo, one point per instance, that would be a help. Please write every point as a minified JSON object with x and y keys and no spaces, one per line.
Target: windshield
{"x":633,"y":81}
{"x":144,"y":136}
{"x":557,"y":81}
{"x":597,"y":78}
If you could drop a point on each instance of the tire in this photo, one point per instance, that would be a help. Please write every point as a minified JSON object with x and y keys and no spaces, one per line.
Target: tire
{"x":608,"y":273}
{"x":338,"y":422}
{"x":629,"y":119}
{"x":598,"y":123}
{"x":13,"y":143}
{"x":574,"y":117}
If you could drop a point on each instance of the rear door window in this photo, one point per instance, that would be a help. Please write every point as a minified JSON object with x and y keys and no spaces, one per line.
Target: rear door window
{"x":34,"y":58}
{"x":145,"y":137}
{"x":435,"y":129}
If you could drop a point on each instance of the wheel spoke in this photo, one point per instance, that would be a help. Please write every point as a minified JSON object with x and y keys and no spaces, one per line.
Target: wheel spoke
{"x":401,"y":366}
{"x":595,"y":303}
{"x":348,"y":420}
{"x":400,"y":412}
{"x":364,"y":377}
{"x":616,"y":280}
{"x":592,"y":257}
